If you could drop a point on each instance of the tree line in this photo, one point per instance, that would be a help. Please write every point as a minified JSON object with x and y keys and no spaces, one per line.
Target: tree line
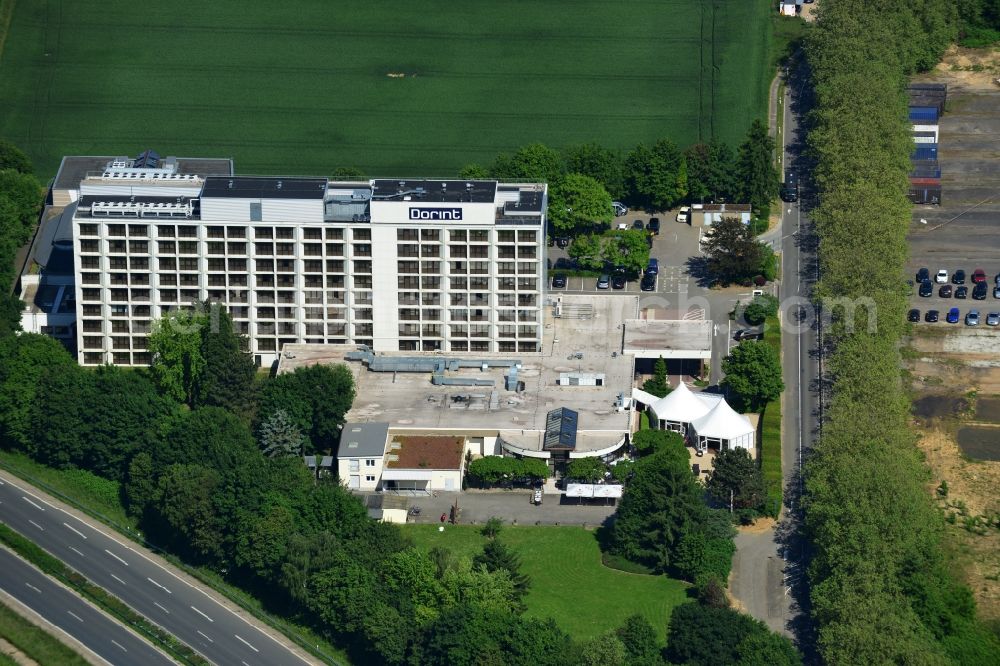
{"x":584,"y":179}
{"x":20,"y":203}
{"x":882,"y":588}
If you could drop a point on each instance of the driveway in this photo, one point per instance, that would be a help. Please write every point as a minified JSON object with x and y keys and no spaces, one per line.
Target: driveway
{"x":511,"y":506}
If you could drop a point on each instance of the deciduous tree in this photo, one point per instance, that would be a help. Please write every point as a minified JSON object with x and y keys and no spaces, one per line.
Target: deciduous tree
{"x":753,"y":374}
{"x":755,"y":168}
{"x":656,"y":176}
{"x":578,"y":202}
{"x":589,"y":469}
{"x":733,"y":253}
{"x":175,"y":344}
{"x":602,"y":164}
{"x":534,"y":163}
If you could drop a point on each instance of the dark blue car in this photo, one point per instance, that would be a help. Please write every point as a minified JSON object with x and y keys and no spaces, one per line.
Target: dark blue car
{"x":953,"y":316}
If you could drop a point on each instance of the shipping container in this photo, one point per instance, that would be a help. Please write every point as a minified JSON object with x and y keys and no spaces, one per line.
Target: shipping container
{"x":929,"y":163}
{"x":924,"y":100}
{"x":936,"y":89}
{"x":925,"y":195}
{"x":925,"y":151}
{"x":932,"y":182}
{"x":923,"y":114}
{"x":925,"y":172}
{"x":925,"y":137}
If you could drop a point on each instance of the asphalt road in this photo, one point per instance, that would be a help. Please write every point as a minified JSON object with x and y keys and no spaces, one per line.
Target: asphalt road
{"x":148,"y":587}
{"x":104,"y":636}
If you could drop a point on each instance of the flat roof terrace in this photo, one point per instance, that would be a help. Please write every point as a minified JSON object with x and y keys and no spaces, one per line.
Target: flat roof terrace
{"x":76,"y":168}
{"x":585,"y":340}
{"x":441,"y":191}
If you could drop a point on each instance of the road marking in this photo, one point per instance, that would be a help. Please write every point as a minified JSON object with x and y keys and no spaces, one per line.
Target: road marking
{"x":206,"y":637}
{"x":118,"y":579}
{"x":33,"y":587}
{"x":75,"y":615}
{"x":36,"y":524}
{"x":241,"y":640}
{"x":158,"y":585}
{"x":32,"y":503}
{"x":115,"y":556}
{"x":81,"y":534}
{"x":119,"y":645}
{"x":161,"y":608}
{"x":202,"y":614}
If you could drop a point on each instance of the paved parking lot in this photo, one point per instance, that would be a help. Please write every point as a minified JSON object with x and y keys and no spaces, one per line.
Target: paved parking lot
{"x":964,"y":232}
{"x":677,"y":292}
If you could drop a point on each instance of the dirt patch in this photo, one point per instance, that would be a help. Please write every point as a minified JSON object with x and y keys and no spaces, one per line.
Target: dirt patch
{"x":980,"y":442}
{"x":934,"y":407}
{"x":988,"y":409}
{"x":760,"y":526}
{"x":969,"y":69}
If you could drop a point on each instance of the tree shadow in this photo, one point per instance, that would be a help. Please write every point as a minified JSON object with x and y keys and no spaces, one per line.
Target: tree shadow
{"x":698,"y":269}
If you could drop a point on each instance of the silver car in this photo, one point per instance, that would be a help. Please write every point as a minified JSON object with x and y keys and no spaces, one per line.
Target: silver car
{"x":972,"y":318}
{"x":604,"y":282}
{"x":993,"y":319}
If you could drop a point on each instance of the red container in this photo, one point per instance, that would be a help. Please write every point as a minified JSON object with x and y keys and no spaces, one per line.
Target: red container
{"x":933,"y":182}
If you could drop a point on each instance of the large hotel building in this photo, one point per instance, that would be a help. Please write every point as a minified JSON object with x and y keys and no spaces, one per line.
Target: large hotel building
{"x":398,"y":265}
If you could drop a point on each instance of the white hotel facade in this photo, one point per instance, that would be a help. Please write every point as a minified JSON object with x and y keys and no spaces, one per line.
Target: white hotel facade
{"x":398,"y":265}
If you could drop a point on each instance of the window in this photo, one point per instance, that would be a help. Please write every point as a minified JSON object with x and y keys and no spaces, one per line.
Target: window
{"x":370,"y":478}
{"x":370,"y":462}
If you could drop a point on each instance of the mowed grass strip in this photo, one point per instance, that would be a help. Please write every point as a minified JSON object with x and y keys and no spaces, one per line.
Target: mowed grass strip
{"x":395,"y":88}
{"x":568,"y":582}
{"x":35,"y":642}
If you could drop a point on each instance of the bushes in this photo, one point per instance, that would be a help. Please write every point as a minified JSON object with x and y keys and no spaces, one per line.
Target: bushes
{"x":491,"y":470}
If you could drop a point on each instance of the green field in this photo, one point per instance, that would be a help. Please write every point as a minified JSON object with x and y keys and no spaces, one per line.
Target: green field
{"x":302,"y":87}
{"x":568,"y":581}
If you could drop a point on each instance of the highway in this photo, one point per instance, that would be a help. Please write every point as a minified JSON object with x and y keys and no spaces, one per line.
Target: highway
{"x":152,"y":589}
{"x":104,"y":636}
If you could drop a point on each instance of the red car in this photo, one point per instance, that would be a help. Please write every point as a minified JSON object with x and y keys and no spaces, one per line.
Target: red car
{"x":978,"y":275}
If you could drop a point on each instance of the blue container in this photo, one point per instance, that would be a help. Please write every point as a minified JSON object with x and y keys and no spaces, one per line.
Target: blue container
{"x":925,"y":151}
{"x":923,"y":115}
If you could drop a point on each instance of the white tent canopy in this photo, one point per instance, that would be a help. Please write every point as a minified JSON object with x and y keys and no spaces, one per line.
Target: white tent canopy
{"x":683,"y":406}
{"x":724,"y":426}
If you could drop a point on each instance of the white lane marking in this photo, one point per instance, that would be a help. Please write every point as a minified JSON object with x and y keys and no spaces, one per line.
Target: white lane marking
{"x":36,"y":524}
{"x":78,"y":532}
{"x":46,"y":503}
{"x":206,"y":636}
{"x":118,"y":579}
{"x":149,"y":559}
{"x":243,"y":662}
{"x":77,"y":552}
{"x":33,"y":587}
{"x":119,"y":645}
{"x":161,"y":608}
{"x":158,"y":585}
{"x":202,"y":614}
{"x":245,"y":643}
{"x":75,"y":615}
{"x":115,"y":556}
{"x":32,"y":503}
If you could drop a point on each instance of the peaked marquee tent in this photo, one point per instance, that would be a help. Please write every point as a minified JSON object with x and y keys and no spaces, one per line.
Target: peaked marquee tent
{"x":724,"y":428}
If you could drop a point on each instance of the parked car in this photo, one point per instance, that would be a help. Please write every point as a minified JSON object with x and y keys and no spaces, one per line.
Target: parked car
{"x":953,"y":316}
{"x":945,"y":291}
{"x":941,"y":277}
{"x":913,"y":315}
{"x":620,"y":208}
{"x":997,"y":279}
{"x":623,"y":226}
{"x":618,"y":281}
{"x":536,"y":497}
{"x":993,"y":319}
{"x":978,"y":275}
{"x":638,"y":225}
{"x":923,"y":274}
{"x":962,"y":292}
{"x":972,"y":318}
{"x":654,"y":226}
{"x":958,"y":277}
{"x":604,"y":282}
{"x":931,"y":316}
{"x":684,"y":214}
{"x":996,"y":292}
{"x":648,"y":282}
{"x":559,"y":282}
{"x":926,"y":289}
{"x":979,"y":291}
{"x":562,"y":241}
{"x":748,"y":334}
{"x":653,"y":267}
{"x":790,"y":187}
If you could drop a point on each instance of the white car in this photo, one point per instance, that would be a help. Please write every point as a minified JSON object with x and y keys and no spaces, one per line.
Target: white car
{"x":537,"y":498}
{"x":684,"y":214}
{"x":941,"y":277}
{"x":623,"y":226}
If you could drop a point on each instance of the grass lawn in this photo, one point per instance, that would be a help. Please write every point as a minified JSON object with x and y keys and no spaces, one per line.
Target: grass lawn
{"x":392,"y":87}
{"x":770,"y":432}
{"x":568,"y":581}
{"x":35,"y":642}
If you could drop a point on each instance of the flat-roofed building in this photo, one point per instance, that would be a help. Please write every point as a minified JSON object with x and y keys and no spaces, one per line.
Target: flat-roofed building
{"x":396,"y":265}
